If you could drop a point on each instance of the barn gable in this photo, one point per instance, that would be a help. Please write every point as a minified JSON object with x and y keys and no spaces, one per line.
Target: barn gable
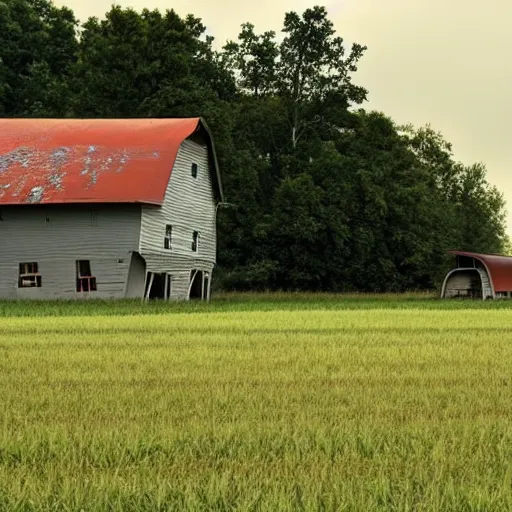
{"x":180,"y":236}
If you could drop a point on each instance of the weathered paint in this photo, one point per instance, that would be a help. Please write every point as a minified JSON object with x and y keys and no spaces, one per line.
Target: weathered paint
{"x":189,"y":205}
{"x":55,"y":161}
{"x":56,"y":236}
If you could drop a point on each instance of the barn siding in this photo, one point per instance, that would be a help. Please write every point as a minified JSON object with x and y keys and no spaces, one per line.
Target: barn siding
{"x":180,"y":283}
{"x":189,"y":205}
{"x":104,"y":235}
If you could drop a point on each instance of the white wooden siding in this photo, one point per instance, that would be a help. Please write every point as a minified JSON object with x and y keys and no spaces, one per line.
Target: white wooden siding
{"x":180,"y":283}
{"x":106,"y":237}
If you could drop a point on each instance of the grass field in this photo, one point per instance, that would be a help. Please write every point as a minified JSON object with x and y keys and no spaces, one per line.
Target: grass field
{"x":269,"y":403}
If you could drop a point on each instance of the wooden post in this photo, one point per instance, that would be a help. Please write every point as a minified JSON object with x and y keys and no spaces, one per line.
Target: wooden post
{"x":169,"y":276}
{"x":202,"y":286}
{"x":150,"y":284}
{"x":145,"y":284}
{"x":209,"y":289}
{"x":166,"y":286}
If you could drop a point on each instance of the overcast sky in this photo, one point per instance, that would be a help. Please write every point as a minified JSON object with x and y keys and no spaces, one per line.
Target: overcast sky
{"x":441,"y":62}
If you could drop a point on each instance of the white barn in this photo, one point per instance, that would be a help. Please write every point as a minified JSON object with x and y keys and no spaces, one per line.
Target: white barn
{"x":107,"y":208}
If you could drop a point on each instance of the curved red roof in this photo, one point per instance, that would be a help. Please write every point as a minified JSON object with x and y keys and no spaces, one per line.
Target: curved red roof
{"x":499,"y":268}
{"x":53,"y":161}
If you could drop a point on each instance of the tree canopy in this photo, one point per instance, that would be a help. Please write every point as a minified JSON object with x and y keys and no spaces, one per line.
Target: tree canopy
{"x":321,"y":194}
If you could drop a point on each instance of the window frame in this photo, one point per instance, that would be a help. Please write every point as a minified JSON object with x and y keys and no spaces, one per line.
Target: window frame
{"x":195,"y":241}
{"x":85,"y":282}
{"x":29,"y":275}
{"x":168,"y":237}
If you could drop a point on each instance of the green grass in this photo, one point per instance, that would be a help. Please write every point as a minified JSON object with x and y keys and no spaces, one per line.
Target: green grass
{"x":266,"y":403}
{"x":240,"y":302}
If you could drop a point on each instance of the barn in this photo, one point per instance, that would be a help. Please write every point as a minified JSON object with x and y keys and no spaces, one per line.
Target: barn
{"x":107,"y":208}
{"x":479,"y":276}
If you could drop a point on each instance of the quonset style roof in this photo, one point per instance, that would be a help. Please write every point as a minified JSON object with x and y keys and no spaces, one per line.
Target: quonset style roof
{"x":498,"y":267}
{"x":55,"y":161}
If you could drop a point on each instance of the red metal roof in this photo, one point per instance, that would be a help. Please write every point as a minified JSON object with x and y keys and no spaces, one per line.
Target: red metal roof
{"x":53,"y":161}
{"x":498,"y":267}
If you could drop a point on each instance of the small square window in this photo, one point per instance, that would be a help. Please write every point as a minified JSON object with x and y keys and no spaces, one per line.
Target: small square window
{"x":195,"y":241}
{"x":194,"y":170}
{"x":168,"y":237}
{"x":29,"y":276}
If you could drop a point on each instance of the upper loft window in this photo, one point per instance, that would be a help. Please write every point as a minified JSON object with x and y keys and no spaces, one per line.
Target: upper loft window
{"x":168,"y":237}
{"x":194,"y":170}
{"x":85,"y":281}
{"x":195,"y":241}
{"x":29,"y":276}
{"x":465,"y":262}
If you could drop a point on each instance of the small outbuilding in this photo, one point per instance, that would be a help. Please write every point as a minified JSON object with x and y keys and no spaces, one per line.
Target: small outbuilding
{"x":481,"y":276}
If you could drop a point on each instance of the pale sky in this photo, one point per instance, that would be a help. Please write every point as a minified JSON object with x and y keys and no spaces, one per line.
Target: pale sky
{"x":441,"y":62}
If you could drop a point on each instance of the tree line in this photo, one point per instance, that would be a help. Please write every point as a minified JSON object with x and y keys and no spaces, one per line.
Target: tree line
{"x":320,"y":193}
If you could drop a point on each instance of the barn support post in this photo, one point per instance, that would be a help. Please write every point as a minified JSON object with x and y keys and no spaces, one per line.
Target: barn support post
{"x":209,"y":287}
{"x":150,"y":284}
{"x":143,"y":298}
{"x":166,"y":286}
{"x":169,"y":293}
{"x":202,"y":286}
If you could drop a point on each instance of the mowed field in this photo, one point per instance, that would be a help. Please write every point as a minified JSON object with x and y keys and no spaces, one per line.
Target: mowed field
{"x":269,"y":403}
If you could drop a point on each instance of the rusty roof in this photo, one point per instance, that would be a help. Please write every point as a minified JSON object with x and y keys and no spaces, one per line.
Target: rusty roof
{"x":499,"y":268}
{"x":54,"y":161}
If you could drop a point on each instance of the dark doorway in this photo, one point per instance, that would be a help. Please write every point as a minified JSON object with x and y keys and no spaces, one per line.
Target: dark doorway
{"x":156,"y":283}
{"x":196,"y":290}
{"x":158,"y":287}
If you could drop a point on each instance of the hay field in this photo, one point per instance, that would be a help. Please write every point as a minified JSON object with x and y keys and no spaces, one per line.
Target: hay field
{"x":264,"y":404}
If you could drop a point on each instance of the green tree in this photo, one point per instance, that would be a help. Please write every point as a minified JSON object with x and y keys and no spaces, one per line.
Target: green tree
{"x":481,"y":212}
{"x":253,"y":60}
{"x":37,"y":52}
{"x":309,"y":71}
{"x":313,"y":67}
{"x":148,"y":64}
{"x":476,"y":208}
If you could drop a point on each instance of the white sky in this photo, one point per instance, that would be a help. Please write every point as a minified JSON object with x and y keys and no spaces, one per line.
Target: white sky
{"x":428,"y":61}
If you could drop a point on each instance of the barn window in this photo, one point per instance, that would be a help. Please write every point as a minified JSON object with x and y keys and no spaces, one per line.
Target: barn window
{"x":29,"y":276}
{"x":195,"y":241}
{"x":85,"y":281}
{"x":168,"y":237}
{"x":194,"y":170}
